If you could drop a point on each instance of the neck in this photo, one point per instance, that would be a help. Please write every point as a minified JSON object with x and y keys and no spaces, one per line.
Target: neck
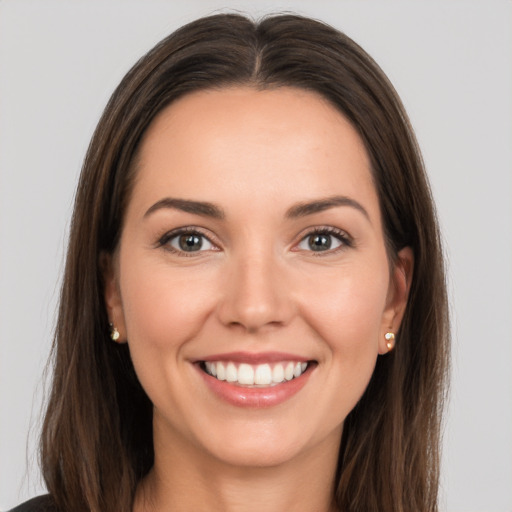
{"x":182,"y":480}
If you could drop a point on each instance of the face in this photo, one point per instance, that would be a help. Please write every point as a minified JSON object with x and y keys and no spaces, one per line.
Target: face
{"x":251,"y":281}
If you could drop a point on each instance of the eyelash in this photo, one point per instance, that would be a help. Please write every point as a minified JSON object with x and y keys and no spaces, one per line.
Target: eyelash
{"x":342,"y":236}
{"x":345,"y":240}
{"x":189,"y":231}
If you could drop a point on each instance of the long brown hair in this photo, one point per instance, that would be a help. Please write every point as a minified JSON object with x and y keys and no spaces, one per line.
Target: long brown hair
{"x":97,"y":441}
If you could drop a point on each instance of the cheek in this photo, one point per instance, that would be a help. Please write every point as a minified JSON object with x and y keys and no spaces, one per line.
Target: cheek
{"x":343,"y":309}
{"x":163,"y":308}
{"x":347,"y":308}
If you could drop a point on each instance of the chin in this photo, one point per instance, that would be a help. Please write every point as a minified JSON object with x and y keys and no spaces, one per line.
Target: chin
{"x":256,"y":455}
{"x":266,"y":445}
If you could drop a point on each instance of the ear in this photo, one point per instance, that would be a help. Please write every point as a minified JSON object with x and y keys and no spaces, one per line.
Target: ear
{"x":112,"y":294}
{"x":398,"y":293}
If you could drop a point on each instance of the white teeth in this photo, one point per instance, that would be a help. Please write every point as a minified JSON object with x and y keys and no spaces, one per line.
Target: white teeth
{"x":231,"y":373}
{"x":260,"y":375}
{"x":221,"y":371}
{"x":211,"y":368}
{"x":288,"y":371}
{"x":278,"y":373}
{"x":245,"y":374}
{"x":263,"y":374}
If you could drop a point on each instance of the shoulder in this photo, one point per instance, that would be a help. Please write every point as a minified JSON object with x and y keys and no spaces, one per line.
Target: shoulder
{"x":39,"y":504}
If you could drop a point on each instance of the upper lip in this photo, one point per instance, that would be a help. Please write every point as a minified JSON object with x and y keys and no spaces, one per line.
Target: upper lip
{"x":254,"y":358}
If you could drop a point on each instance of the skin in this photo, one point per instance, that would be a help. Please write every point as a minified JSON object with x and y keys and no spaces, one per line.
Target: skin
{"x":256,"y":286}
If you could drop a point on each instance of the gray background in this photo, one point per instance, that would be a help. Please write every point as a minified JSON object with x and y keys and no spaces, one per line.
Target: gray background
{"x":450,"y":61}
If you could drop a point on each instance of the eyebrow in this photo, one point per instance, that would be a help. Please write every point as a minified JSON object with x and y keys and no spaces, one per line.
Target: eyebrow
{"x":320,"y":205}
{"x":302,"y":209}
{"x":196,"y":207}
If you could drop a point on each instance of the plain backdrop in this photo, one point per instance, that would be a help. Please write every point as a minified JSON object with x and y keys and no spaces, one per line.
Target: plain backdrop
{"x":450,"y":61}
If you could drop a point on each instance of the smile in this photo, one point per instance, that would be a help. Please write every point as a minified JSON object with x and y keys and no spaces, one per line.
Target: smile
{"x":252,"y":380}
{"x":243,"y":374}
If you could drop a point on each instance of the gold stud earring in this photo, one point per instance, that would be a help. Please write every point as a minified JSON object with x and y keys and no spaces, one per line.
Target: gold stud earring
{"x":114,"y":333}
{"x":390,"y":340}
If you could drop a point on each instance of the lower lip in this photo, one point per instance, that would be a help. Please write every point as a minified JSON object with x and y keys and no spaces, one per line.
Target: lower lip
{"x":259,"y":397}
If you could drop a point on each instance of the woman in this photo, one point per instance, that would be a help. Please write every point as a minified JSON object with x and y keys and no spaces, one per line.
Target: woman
{"x":253,"y":233}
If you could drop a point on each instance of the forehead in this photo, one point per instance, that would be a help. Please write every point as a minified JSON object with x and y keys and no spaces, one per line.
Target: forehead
{"x":283,"y":143}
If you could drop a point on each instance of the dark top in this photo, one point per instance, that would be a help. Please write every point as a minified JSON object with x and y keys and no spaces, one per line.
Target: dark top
{"x":39,"y":504}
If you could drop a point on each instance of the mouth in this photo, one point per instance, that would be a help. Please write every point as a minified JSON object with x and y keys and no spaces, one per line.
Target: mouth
{"x":255,"y":380}
{"x":266,"y":374}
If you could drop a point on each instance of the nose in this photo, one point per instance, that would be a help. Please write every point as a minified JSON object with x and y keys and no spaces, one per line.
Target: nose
{"x":256,"y":294}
